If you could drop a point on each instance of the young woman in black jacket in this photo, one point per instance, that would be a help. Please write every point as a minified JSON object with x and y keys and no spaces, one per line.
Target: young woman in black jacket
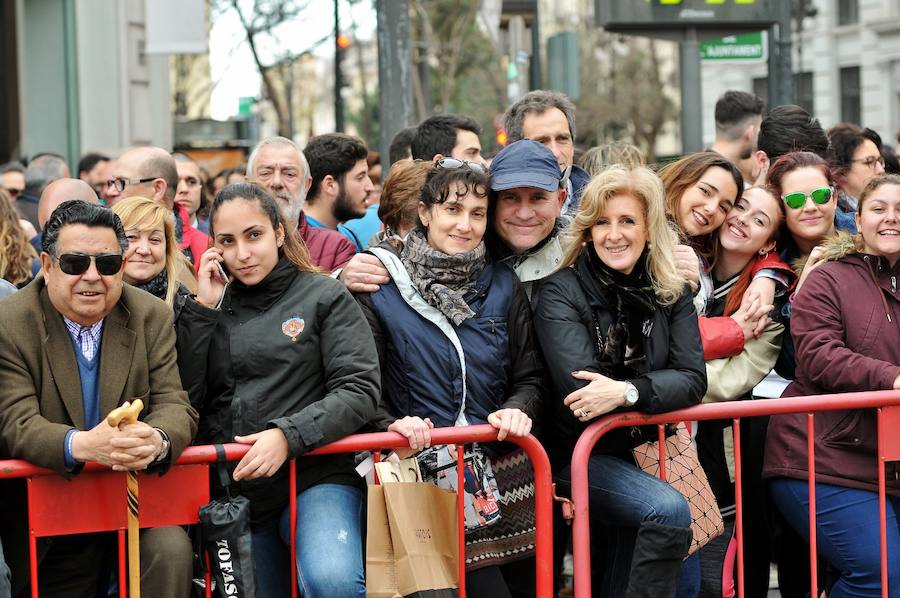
{"x":281,"y":359}
{"x":618,"y":330}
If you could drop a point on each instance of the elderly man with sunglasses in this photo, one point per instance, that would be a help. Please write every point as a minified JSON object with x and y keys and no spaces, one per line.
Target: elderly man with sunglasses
{"x":75,"y":344}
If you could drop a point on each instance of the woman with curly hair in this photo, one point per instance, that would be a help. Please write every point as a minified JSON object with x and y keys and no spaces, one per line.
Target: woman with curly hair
{"x":17,"y":256}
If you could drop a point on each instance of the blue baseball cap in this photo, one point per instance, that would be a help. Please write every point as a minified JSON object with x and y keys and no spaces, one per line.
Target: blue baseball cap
{"x":525,"y":163}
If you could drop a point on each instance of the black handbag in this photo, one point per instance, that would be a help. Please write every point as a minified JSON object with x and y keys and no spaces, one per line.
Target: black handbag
{"x":225,"y":534}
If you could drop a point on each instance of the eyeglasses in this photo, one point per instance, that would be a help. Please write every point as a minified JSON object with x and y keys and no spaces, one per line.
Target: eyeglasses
{"x":453,"y":164}
{"x":871,"y":161}
{"x":121,"y":183}
{"x":797,"y":199}
{"x":76,"y":264}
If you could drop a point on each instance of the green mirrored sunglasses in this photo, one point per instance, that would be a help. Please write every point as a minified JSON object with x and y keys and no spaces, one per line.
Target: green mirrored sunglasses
{"x":797,"y":199}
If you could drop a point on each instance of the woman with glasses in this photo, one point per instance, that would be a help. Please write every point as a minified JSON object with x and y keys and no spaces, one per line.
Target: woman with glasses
{"x":803,"y":181}
{"x":845,"y":326}
{"x":455,"y":343}
{"x":619,"y":330}
{"x":19,"y":262}
{"x":281,"y":360}
{"x":856,"y":160}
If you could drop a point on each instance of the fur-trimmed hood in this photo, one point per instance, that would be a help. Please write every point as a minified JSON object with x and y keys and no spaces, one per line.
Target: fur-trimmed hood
{"x":840,"y":245}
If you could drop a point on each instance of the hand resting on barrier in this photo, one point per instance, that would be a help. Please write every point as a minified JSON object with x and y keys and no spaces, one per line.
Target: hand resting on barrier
{"x":265,"y":457}
{"x":600,"y":396}
{"x":128,"y":447}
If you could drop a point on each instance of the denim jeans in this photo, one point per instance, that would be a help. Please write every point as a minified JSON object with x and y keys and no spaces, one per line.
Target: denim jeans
{"x":623,"y":497}
{"x":5,"y":591}
{"x":847,"y":533}
{"x":329,"y":546}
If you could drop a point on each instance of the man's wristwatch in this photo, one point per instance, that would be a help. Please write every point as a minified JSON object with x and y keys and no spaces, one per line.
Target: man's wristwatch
{"x":631,"y":394}
{"x":164,"y":449}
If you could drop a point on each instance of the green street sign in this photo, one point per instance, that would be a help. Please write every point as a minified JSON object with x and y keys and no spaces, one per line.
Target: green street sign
{"x":746,"y":47}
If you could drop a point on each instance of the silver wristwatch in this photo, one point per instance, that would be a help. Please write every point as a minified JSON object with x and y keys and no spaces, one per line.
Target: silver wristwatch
{"x":631,"y":394}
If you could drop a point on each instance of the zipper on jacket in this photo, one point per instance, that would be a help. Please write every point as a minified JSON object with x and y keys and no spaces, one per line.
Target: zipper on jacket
{"x":894,"y":284}
{"x":492,"y":326}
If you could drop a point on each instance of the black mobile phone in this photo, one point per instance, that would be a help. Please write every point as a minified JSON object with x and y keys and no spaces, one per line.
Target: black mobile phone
{"x":223,"y":272}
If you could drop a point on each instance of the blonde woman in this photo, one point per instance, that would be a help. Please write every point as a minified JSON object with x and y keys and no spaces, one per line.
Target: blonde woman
{"x":153,"y":261}
{"x":619,"y":331}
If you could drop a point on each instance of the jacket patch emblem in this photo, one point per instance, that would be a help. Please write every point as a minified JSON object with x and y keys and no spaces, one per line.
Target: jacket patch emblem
{"x":292,"y":327}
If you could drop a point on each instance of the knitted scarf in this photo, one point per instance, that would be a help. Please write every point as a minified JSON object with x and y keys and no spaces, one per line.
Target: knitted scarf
{"x":442,"y":280}
{"x":156,"y":286}
{"x":631,"y":301}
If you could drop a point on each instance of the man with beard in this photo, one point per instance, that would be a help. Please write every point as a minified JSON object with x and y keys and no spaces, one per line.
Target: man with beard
{"x":340,"y":181}
{"x":278,"y":166}
{"x":738,"y":116}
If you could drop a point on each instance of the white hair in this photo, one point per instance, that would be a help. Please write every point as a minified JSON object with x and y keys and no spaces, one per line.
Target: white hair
{"x":251,"y":161}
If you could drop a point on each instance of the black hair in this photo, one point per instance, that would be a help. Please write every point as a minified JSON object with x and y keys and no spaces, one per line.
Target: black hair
{"x":845,"y":138}
{"x":437,"y":135}
{"x":734,"y":109}
{"x":440,"y":184}
{"x":790,"y":128}
{"x":401,"y":145}
{"x":891,"y":163}
{"x":332,"y":154}
{"x":76,"y":211}
{"x":89,"y":161}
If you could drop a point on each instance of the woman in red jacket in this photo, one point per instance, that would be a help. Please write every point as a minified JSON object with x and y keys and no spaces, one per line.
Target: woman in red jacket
{"x":845,"y":327}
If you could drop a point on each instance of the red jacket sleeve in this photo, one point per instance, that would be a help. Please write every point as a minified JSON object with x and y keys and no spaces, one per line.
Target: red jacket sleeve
{"x":721,"y":336}
{"x":772,"y":261}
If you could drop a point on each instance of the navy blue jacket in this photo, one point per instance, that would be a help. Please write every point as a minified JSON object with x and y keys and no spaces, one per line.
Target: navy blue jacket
{"x":422,"y":373}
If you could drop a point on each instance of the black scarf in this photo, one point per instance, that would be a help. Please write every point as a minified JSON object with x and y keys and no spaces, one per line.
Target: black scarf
{"x":156,"y":286}
{"x":631,"y":302}
{"x":443,"y":280}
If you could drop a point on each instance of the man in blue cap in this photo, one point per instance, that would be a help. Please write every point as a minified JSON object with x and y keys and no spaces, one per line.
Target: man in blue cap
{"x":528,"y":192}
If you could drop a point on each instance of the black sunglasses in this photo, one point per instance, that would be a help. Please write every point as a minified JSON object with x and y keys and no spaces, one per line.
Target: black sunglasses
{"x":77,"y":264}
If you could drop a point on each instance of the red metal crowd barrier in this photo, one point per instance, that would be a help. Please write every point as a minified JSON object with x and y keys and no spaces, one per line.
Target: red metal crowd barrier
{"x":887,"y":404}
{"x":95,"y":500}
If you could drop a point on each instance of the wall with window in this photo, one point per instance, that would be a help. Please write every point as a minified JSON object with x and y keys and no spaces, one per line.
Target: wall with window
{"x":846,"y":63}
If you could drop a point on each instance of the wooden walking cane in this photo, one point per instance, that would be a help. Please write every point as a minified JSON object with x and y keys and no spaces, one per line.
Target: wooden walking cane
{"x":128,"y":413}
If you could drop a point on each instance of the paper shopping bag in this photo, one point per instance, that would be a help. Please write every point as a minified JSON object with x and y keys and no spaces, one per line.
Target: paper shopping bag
{"x":381,"y":575}
{"x":423,"y":528}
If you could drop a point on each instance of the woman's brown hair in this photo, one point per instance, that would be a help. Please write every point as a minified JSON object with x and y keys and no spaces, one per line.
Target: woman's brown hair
{"x":400,"y":195}
{"x":16,"y":253}
{"x":677,"y":177}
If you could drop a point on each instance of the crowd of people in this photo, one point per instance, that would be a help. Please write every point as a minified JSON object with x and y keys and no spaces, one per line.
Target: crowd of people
{"x":300,"y":300}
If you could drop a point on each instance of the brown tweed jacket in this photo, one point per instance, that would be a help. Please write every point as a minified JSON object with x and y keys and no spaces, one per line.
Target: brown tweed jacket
{"x":40,"y":390}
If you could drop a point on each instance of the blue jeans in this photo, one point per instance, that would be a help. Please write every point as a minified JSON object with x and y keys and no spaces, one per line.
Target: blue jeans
{"x":5,"y":591}
{"x":329,"y":546}
{"x":846,"y":532}
{"x":623,"y":497}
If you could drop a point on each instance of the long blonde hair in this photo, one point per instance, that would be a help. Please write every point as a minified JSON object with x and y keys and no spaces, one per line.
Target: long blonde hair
{"x":145,"y":214}
{"x":641,"y":184}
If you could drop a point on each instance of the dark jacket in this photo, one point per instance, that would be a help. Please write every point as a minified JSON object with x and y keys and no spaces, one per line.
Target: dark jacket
{"x":422,"y":373}
{"x":675,"y":374}
{"x":328,"y":249}
{"x":27,"y":205}
{"x":291,"y":352}
{"x":845,"y":326}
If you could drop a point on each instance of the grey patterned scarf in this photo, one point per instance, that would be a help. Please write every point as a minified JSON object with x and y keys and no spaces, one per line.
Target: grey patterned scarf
{"x":442,"y":280}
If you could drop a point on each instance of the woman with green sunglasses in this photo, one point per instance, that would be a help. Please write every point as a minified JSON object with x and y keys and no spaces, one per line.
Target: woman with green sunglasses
{"x":804,"y":182}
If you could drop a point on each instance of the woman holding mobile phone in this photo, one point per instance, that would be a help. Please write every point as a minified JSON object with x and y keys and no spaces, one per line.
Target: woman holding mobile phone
{"x":281,"y":359}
